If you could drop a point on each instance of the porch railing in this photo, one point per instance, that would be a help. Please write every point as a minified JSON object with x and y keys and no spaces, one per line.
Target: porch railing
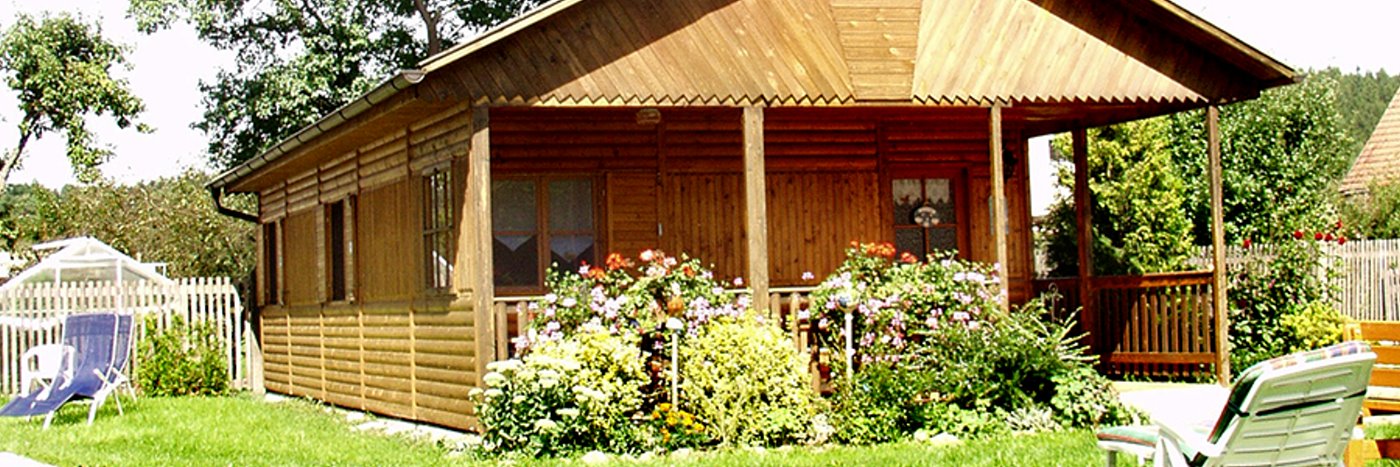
{"x":1154,"y":324}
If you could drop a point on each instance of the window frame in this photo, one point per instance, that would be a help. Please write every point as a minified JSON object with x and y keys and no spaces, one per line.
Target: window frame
{"x":342,"y":209}
{"x":958,"y":189}
{"x":434,"y":196}
{"x":543,"y":254}
{"x":272,"y":262}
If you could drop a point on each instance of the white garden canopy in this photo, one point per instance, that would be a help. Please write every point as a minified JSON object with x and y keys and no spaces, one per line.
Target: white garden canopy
{"x":86,"y":259}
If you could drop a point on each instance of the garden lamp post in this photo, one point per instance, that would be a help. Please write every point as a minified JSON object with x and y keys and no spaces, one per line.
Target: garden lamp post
{"x":848,"y":305}
{"x":675,"y":326}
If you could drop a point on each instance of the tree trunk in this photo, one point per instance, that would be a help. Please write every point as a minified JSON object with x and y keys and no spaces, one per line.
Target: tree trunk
{"x":431,"y":20}
{"x":11,"y":159}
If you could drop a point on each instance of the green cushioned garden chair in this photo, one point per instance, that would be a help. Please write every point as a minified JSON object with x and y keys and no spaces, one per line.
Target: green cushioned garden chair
{"x":1295,"y":410}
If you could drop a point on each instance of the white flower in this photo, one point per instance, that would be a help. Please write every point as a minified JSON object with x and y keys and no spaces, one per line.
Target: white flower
{"x":807,"y":276}
{"x":583,"y":270}
{"x":674,"y":324}
{"x":494,"y":379}
{"x":567,"y":412}
{"x":493,"y":393}
{"x":569,"y":302}
{"x":647,"y":256}
{"x":545,"y":424}
{"x":548,"y":382}
{"x":550,"y":298}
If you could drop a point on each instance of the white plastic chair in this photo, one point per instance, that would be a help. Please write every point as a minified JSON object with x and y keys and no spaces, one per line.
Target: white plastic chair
{"x":1296,"y":410}
{"x":40,"y":365}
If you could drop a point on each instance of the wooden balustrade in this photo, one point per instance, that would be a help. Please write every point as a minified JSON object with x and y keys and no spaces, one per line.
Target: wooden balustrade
{"x":1158,"y":324}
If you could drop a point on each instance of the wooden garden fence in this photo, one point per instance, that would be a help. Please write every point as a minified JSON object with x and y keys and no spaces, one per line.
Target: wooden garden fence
{"x":33,"y":315}
{"x":1367,"y":280}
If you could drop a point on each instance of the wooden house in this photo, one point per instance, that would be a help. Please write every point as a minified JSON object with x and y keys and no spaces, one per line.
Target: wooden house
{"x":760,"y":135}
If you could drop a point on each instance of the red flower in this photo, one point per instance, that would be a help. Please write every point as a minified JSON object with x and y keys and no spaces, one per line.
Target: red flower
{"x":1317,"y":236}
{"x":1330,"y":237}
{"x":1298,"y":234}
{"x":1246,"y":243}
{"x":1339,"y":225}
{"x":1341,"y":240}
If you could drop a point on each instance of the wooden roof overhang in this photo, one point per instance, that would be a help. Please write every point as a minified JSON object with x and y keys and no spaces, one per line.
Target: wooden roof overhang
{"x":1054,"y":64}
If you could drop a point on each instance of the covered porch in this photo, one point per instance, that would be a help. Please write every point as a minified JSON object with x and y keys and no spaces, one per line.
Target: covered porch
{"x":773,"y":195}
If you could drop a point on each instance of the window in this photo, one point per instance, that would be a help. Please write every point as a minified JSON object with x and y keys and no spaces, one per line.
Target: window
{"x":271,"y":292}
{"x":437,"y":230}
{"x":925,"y":215}
{"x":537,"y":222}
{"x":336,"y":246}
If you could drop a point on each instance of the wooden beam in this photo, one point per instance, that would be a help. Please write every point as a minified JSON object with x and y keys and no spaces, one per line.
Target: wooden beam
{"x":999,"y":226}
{"x":1217,"y":241}
{"x":756,"y":201}
{"x":476,"y":213}
{"x":1084,"y":223}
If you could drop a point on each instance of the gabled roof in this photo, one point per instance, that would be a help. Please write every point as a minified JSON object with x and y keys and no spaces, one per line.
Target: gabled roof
{"x":1146,"y":53}
{"x":1380,"y":157}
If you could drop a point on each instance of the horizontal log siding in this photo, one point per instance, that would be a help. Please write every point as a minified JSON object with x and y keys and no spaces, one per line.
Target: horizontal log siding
{"x":414,"y":360}
{"x":394,"y":350}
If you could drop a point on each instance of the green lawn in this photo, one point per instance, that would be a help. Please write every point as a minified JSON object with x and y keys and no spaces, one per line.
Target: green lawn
{"x":242,"y":430}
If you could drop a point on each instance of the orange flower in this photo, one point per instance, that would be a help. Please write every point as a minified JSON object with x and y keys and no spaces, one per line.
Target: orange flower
{"x":616,"y":261}
{"x":907,"y":258}
{"x":596,"y":273}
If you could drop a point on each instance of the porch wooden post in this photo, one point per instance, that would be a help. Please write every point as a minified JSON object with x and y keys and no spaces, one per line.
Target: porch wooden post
{"x":1217,"y":241}
{"x":999,"y":227}
{"x":756,"y":201}
{"x":1084,"y":224}
{"x":477,"y":242}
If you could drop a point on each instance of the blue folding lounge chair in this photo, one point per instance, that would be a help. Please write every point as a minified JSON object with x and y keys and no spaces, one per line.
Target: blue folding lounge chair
{"x":102,"y":346}
{"x":1295,"y":410}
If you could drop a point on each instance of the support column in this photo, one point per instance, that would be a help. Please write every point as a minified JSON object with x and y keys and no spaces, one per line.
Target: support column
{"x":1217,"y":241}
{"x":756,"y":201}
{"x":999,"y":226}
{"x":1084,"y":224}
{"x":476,"y":242}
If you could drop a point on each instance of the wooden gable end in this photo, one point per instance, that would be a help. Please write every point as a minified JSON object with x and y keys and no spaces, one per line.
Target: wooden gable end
{"x":824,"y":52}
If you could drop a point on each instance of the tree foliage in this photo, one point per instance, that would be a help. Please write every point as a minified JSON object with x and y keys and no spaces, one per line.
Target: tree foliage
{"x":61,"y":67}
{"x":1281,"y":155}
{"x":299,"y":60}
{"x":1374,"y":215}
{"x":1139,"y":221}
{"x":170,"y":220}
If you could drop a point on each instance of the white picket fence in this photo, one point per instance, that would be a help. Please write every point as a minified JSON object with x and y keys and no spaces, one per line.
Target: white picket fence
{"x":33,"y":315}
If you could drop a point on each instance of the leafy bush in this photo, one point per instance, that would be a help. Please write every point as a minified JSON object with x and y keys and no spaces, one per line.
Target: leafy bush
{"x":935,"y":351}
{"x":182,"y":360}
{"x":747,"y":380}
{"x":1278,"y":301}
{"x":571,"y":395}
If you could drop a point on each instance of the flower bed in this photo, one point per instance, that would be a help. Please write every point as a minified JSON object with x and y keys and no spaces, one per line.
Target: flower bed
{"x":655,"y":354}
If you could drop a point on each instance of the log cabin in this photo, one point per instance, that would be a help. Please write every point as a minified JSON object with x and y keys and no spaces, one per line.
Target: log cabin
{"x":759,"y":135}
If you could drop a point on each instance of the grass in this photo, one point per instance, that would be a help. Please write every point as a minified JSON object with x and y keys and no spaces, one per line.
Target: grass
{"x":242,"y":430}
{"x":239,"y":430}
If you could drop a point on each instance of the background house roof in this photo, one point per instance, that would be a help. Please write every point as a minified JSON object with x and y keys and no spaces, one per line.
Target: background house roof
{"x":1380,"y":157}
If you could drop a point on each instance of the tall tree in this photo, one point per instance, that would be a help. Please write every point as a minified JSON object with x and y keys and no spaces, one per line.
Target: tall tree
{"x":61,"y":68}
{"x":299,"y":59}
{"x":1281,"y":155}
{"x":1140,"y":225}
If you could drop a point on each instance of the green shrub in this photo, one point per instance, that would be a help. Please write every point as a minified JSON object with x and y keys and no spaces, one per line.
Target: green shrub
{"x":567,"y":396}
{"x":182,"y":360}
{"x":745,"y":379}
{"x":1317,"y":325}
{"x":1273,"y":297}
{"x":935,"y":351}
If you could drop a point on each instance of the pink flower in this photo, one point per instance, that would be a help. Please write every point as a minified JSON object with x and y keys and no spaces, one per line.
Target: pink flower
{"x":738,"y":282}
{"x":807,"y":276}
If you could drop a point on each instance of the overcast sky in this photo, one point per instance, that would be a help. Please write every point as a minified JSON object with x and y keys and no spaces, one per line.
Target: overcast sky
{"x":167,"y":67}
